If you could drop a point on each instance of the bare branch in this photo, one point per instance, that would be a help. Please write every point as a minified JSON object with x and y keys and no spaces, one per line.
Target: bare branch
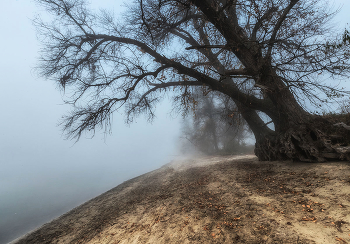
{"x":260,"y":21}
{"x":206,"y":46}
{"x":278,"y":26}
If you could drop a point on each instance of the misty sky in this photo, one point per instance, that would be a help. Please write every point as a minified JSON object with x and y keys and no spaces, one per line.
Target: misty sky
{"x":36,"y":163}
{"x":39,"y":170}
{"x":31,"y":108}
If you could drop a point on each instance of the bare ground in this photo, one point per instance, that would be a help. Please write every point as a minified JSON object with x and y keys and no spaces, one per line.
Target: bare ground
{"x":215,"y":200}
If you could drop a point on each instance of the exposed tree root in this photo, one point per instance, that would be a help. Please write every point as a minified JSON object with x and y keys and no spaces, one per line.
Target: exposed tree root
{"x":317,"y":141}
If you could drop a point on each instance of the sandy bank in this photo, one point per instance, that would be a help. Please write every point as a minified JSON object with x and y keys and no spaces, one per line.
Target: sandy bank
{"x":214,"y":200}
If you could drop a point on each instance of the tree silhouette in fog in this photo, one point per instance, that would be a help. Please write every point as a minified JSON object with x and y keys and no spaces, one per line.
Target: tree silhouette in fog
{"x":268,"y":56}
{"x":215,"y":127}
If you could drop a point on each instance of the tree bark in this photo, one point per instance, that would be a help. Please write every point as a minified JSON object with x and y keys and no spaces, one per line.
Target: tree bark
{"x":315,"y":141}
{"x":298,"y":135}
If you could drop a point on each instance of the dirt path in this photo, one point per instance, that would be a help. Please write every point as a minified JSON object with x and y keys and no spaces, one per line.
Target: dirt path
{"x":215,"y":200}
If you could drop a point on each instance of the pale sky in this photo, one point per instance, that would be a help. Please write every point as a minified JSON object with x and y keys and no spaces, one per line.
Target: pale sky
{"x":36,"y":163}
{"x":32,"y":106}
{"x":38,"y":167}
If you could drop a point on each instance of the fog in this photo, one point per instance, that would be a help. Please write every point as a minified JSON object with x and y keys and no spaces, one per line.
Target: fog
{"x":42,"y":175}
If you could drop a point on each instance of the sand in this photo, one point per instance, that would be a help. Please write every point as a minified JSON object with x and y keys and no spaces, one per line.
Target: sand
{"x":223,"y":199}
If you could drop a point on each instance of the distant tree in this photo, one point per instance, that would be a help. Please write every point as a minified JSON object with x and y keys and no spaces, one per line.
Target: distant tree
{"x":268,"y":56}
{"x":215,"y":125}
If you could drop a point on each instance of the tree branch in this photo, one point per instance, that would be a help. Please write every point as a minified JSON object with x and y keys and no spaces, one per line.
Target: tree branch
{"x":260,"y":21}
{"x":237,"y":72}
{"x":250,"y":100}
{"x":206,"y":47}
{"x":278,"y":26}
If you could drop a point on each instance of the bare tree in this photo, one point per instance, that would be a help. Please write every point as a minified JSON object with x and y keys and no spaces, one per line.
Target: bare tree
{"x":215,"y":127}
{"x":268,"y":56}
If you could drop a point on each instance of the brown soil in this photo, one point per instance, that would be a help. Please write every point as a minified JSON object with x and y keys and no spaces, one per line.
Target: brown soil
{"x":215,"y":200}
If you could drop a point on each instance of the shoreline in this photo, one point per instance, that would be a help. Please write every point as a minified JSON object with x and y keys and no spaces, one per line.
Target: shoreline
{"x":179,"y":162}
{"x":192,"y":199}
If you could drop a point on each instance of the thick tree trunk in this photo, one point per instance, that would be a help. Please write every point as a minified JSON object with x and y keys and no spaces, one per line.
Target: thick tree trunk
{"x":298,"y":135}
{"x":317,"y":140}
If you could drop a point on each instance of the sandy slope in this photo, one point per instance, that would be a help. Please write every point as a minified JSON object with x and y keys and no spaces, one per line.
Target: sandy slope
{"x":215,"y":200}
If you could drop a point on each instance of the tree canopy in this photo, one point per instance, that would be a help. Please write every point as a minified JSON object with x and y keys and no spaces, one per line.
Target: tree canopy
{"x":267,"y":56}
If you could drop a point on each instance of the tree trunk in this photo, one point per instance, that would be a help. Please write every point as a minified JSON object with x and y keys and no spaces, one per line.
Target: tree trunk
{"x":312,"y":139}
{"x":298,"y":135}
{"x":315,"y":141}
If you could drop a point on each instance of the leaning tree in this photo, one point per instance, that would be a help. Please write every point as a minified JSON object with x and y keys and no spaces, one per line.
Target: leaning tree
{"x":269,"y":56}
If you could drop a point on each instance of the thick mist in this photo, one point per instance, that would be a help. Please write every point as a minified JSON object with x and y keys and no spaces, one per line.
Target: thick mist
{"x":42,"y":175}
